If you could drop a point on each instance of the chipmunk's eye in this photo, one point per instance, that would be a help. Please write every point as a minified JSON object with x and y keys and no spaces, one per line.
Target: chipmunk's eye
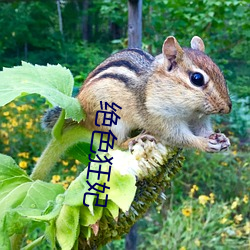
{"x":197,"y":79}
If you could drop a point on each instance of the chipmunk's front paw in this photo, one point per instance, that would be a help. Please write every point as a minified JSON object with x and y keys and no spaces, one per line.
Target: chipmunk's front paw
{"x":217,"y":142}
{"x":141,"y":139}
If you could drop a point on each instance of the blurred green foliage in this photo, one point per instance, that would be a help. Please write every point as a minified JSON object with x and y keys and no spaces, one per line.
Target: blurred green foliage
{"x":30,"y":32}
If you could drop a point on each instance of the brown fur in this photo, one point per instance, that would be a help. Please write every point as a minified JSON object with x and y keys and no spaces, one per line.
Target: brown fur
{"x":156,"y":94}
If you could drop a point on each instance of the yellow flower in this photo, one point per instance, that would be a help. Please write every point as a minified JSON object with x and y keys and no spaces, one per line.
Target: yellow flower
{"x":65,"y":185}
{"x":234,"y":152}
{"x":35,"y":159}
{"x":6,"y":141}
{"x":225,"y":207}
{"x":235,"y":203}
{"x":65,"y":163}
{"x":12,"y":105}
{"x":77,"y":162}
{"x":197,"y":242}
{"x":223,"y":220}
{"x":245,"y":199}
{"x":211,"y":195}
{"x":19,"y":108}
{"x":223,"y":235}
{"x":14,"y":123}
{"x":23,"y":164}
{"x":6,"y":113}
{"x":4,"y":134}
{"x":6,"y":149}
{"x":183,"y":248}
{"x":238,"y":218}
{"x":193,"y":190}
{"x":238,"y":233}
{"x":238,"y":159}
{"x":24,"y":107}
{"x":224,"y":164}
{"x":187,"y":211}
{"x":247,"y":227}
{"x":73,"y":168}
{"x":55,"y":178}
{"x":29,"y":124}
{"x":203,"y":199}
{"x":70,"y":178}
{"x":24,"y":154}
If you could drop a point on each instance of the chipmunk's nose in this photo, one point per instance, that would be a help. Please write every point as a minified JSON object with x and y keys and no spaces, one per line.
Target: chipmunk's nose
{"x":227,"y":108}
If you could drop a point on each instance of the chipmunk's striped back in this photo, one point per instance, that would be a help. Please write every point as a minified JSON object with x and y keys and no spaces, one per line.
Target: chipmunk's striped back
{"x":123,"y":66}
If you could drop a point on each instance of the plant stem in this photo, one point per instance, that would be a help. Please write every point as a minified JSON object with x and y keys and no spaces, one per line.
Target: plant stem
{"x":58,"y":146}
{"x":52,"y":153}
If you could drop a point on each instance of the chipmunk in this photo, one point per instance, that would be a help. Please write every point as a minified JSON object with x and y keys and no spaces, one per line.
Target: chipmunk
{"x":170,"y":96}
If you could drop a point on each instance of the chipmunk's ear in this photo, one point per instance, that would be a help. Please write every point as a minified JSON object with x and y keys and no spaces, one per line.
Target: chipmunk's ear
{"x":197,"y":43}
{"x":171,"y":49}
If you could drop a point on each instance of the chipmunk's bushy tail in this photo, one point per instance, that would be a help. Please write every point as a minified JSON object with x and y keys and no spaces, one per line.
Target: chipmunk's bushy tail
{"x":50,"y":117}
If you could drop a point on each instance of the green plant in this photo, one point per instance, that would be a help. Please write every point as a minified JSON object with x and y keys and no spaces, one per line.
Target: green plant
{"x":199,"y":223}
{"x":30,"y":201}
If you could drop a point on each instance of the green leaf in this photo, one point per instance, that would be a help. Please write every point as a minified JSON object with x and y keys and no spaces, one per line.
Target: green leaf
{"x":20,"y":198}
{"x":6,"y":186}
{"x":53,"y":82}
{"x":113,"y":209}
{"x":4,"y":240}
{"x":7,"y":218}
{"x":38,"y":198}
{"x":122,"y":189}
{"x":77,"y":188}
{"x":9,"y":168}
{"x":45,"y":217}
{"x":27,"y":202}
{"x":14,"y":198}
{"x":39,"y":194}
{"x":67,"y":226}
{"x":14,"y":223}
{"x":81,"y":151}
{"x":50,"y":234}
{"x":86,"y":218}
